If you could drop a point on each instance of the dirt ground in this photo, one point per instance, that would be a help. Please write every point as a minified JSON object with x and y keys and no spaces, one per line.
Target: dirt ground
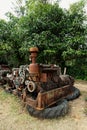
{"x":13,"y":116}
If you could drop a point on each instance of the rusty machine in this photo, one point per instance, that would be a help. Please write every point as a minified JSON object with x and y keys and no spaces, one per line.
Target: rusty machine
{"x":42,"y":87}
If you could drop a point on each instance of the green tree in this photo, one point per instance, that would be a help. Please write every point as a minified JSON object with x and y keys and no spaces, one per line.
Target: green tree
{"x":76,"y":38}
{"x":59,"y":34}
{"x":19,"y":7}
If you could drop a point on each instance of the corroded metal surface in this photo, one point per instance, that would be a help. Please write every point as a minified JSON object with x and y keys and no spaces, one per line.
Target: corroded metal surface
{"x":39,"y":85}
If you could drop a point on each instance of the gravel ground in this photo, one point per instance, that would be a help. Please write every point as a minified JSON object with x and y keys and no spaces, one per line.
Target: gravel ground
{"x":13,"y":116}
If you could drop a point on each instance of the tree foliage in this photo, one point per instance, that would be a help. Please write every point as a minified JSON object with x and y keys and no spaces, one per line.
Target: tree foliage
{"x":60,"y":35}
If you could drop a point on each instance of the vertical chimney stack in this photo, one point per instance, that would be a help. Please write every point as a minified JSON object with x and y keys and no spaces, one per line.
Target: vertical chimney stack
{"x":33,"y":67}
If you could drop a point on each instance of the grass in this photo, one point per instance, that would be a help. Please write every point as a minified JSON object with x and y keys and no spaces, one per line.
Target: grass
{"x":13,"y":101}
{"x":85,"y":110}
{"x":84,"y":94}
{"x":3,"y":95}
{"x":85,"y":105}
{"x":86,"y":99}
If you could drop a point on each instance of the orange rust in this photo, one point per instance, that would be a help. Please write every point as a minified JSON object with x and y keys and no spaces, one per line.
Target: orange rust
{"x":33,"y":49}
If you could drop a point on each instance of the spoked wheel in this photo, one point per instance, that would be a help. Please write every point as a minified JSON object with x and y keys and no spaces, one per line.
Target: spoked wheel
{"x":75,"y":94}
{"x":60,"y":109}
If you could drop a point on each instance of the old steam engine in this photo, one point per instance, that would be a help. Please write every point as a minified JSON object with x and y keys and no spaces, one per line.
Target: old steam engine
{"x":42,"y":87}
